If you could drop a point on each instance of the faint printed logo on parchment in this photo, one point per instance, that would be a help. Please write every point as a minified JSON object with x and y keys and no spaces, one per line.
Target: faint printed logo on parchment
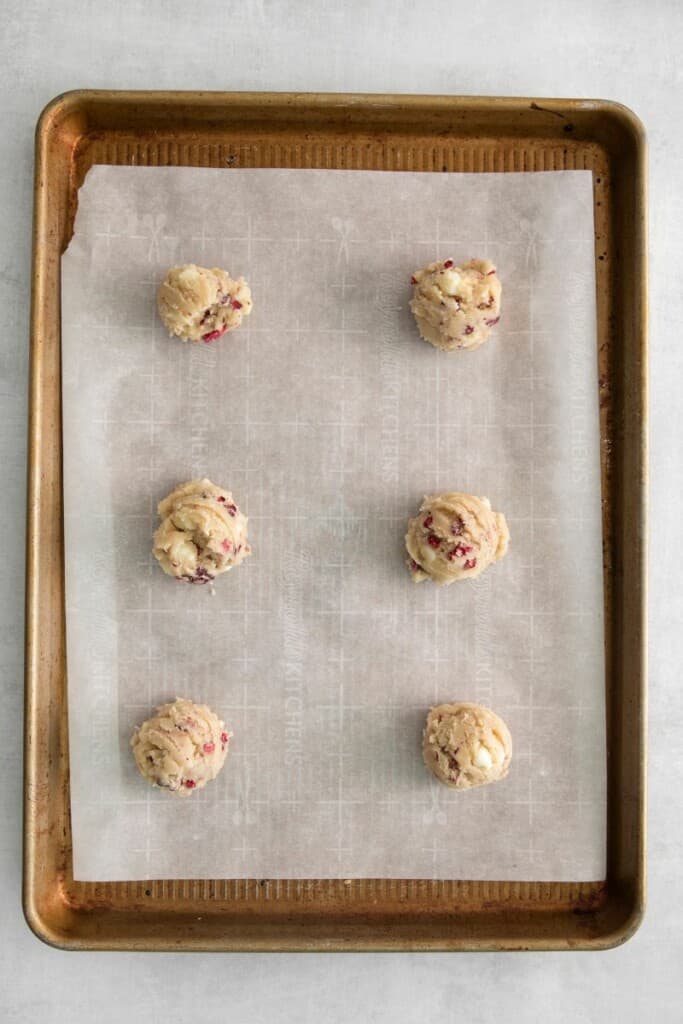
{"x":435,"y":814}
{"x":528,"y":233}
{"x":161,"y":245}
{"x":100,"y":717}
{"x":343,"y":228}
{"x":342,"y":523}
{"x":581,"y":426}
{"x":484,"y":641}
{"x":202,"y":371}
{"x":244,"y":814}
{"x":295,"y":568}
{"x":389,"y":374}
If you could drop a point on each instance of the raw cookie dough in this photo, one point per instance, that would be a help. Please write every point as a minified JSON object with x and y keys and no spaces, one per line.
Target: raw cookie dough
{"x":198,"y":304}
{"x":466,"y":745}
{"x":202,"y":534}
{"x":454,"y":537}
{"x":456,"y":307}
{"x":182,"y":747}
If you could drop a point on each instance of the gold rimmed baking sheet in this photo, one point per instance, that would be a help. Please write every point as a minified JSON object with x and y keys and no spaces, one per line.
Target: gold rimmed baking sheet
{"x":441,"y":134}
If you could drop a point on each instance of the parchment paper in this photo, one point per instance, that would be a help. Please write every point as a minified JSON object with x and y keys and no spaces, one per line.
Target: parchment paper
{"x":329,"y":419}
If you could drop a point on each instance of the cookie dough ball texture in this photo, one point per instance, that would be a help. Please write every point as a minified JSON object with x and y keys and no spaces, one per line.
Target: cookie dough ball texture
{"x":182,"y":747}
{"x":202,"y":532}
{"x":199,"y":304}
{"x":453,"y":537}
{"x":465,"y":745}
{"x":456,"y":307}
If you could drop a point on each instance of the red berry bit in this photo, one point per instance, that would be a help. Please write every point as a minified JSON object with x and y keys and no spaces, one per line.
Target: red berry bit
{"x":447,"y":264}
{"x":461,"y":549}
{"x":457,"y":526}
{"x":471,"y":563}
{"x":209,"y":748}
{"x":414,"y":566}
{"x":434,"y":541}
{"x":224,"y":740}
{"x":213,"y":335}
{"x":226,"y":545}
{"x":428,"y":522}
{"x":190,"y":784}
{"x":235,"y":304}
{"x":413,"y":279}
{"x":230,"y":506}
{"x":469,"y":329}
{"x":493,"y":322}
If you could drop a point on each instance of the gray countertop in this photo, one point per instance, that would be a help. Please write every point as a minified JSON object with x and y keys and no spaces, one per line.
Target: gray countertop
{"x":618,"y":49}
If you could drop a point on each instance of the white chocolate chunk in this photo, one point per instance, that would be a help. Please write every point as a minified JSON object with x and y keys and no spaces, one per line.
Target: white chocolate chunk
{"x":482,"y":758}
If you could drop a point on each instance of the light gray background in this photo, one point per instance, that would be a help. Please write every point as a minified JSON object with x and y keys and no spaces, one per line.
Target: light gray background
{"x":617,"y":49}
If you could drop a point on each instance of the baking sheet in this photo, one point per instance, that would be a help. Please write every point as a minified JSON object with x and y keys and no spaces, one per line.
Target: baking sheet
{"x":329,"y":419}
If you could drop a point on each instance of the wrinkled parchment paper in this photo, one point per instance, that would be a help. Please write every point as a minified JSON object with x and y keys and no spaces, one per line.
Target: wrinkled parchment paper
{"x":329,"y":419}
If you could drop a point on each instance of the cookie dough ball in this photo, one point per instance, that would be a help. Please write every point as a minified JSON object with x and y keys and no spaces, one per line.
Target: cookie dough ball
{"x":454,"y":537}
{"x":466,"y":745}
{"x":456,"y":307}
{"x":202,"y":533}
{"x":182,"y":747}
{"x":198,"y":304}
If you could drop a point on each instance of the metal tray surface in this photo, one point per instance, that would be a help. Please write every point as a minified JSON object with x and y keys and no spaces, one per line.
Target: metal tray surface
{"x":443,"y":134}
